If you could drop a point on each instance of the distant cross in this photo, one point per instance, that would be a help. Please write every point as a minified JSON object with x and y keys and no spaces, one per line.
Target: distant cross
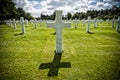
{"x":118,"y":26}
{"x":10,"y":22}
{"x":113,"y":21}
{"x":58,"y":24}
{"x":42,"y":23}
{"x":99,"y":20}
{"x":35,"y":23}
{"x":108,"y":20}
{"x":7,"y":22}
{"x":76,"y":22}
{"x":83,"y":21}
{"x":22,"y":23}
{"x":88,"y":26}
{"x":95,"y":23}
{"x":26,"y":22}
{"x":14,"y":23}
{"x":55,"y":65}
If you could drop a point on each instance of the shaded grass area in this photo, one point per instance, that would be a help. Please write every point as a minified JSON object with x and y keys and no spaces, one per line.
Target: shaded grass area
{"x":90,"y":56}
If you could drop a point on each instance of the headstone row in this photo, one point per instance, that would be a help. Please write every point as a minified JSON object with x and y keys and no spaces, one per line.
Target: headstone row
{"x":24,"y":23}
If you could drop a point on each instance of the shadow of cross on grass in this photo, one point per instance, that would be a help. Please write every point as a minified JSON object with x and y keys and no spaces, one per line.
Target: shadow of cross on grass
{"x":55,"y":65}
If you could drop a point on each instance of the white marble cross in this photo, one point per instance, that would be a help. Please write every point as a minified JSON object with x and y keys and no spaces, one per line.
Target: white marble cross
{"x":83,"y":21}
{"x":7,"y":22}
{"x":95,"y":23}
{"x":14,"y":23}
{"x":107,"y":20}
{"x":35,"y":23}
{"x":118,"y":26}
{"x":42,"y":23}
{"x":10,"y":22}
{"x":113,"y":21}
{"x":88,"y":26}
{"x":76,"y":22}
{"x":26,"y":22}
{"x":22,"y":23}
{"x":58,"y":24}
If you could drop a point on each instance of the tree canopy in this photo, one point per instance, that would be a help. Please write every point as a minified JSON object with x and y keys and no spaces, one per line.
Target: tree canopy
{"x":9,"y":11}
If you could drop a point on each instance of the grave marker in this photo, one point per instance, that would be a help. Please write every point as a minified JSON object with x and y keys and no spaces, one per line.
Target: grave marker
{"x":26,"y":22}
{"x":10,"y":22}
{"x":14,"y":23}
{"x":88,"y":26}
{"x":83,"y":21}
{"x":76,"y":22}
{"x":95,"y":23}
{"x":35,"y":23}
{"x":113,"y":22}
{"x":22,"y":23}
{"x":58,"y":24}
{"x":7,"y":22}
{"x":107,"y":20}
{"x":42,"y":23}
{"x":118,"y":26}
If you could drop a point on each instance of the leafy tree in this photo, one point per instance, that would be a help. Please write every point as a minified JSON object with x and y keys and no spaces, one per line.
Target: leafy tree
{"x":7,"y":9}
{"x":28,"y":16}
{"x":82,"y":15}
{"x":69,"y":15}
{"x":76,"y":15}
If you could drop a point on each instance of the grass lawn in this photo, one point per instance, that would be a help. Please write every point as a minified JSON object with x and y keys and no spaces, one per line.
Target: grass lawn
{"x":85,"y":56}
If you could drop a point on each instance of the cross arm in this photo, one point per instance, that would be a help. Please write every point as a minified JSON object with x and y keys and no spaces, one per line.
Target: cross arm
{"x":51,"y":24}
{"x":66,"y":24}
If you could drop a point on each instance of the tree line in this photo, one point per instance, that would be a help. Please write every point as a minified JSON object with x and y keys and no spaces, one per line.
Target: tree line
{"x":114,"y":12}
{"x":9,"y":11}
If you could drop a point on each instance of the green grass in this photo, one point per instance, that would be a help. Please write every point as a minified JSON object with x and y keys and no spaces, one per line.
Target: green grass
{"x":92,"y":56}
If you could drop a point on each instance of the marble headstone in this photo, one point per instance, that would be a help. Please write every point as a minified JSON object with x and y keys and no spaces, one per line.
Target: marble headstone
{"x":14,"y":23}
{"x":118,"y":25}
{"x":76,"y":22}
{"x":88,"y":26}
{"x":113,"y":21}
{"x":22,"y":23}
{"x":95,"y":23}
{"x":58,"y":24}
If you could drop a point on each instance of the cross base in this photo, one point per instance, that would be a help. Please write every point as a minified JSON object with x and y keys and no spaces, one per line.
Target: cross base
{"x":58,"y":52}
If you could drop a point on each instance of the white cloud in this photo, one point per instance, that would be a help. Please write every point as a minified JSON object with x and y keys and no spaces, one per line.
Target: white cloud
{"x":100,"y":4}
{"x":56,"y":3}
{"x":91,"y":7}
{"x":91,"y":2}
{"x":107,"y":5}
{"x":107,"y":1}
{"x":36,"y":7}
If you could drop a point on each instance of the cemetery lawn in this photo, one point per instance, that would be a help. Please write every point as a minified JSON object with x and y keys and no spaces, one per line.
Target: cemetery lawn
{"x":92,"y":56}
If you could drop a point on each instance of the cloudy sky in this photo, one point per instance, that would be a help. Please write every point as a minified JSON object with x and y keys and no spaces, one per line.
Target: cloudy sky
{"x":36,"y":7}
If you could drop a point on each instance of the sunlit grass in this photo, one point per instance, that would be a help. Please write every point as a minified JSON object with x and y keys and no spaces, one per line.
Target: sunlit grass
{"x":92,"y":56}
